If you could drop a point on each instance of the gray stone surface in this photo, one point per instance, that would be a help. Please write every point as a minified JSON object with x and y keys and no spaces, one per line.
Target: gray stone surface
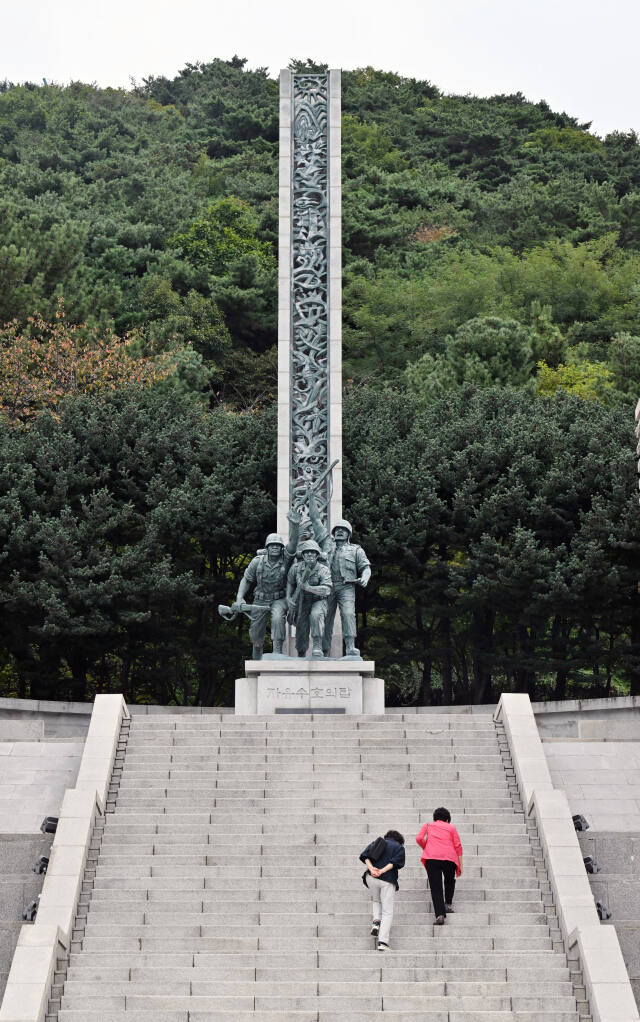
{"x":279,"y":928}
{"x":273,"y":686}
{"x":33,"y":779}
{"x":19,"y":885}
{"x":617,"y":885}
{"x":21,"y":730}
{"x":601,"y":780}
{"x":590,"y":719}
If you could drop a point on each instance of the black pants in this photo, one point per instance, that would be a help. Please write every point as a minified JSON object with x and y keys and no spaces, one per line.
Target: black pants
{"x":437,"y":869}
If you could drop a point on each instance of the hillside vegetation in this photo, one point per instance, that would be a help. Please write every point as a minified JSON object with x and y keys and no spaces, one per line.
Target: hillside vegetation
{"x":491,"y":299}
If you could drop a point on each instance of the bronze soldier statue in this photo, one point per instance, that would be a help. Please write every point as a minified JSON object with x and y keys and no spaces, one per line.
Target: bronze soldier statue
{"x":268,"y":571}
{"x":308,"y":586}
{"x":349,"y":567}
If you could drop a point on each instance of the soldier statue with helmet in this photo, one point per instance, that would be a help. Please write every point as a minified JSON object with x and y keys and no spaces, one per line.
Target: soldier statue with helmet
{"x":349,"y":567}
{"x":268,"y":572}
{"x":308,"y":586}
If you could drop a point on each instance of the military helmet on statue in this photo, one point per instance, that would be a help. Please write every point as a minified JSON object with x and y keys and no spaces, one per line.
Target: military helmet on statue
{"x":342,"y":523}
{"x":309,"y":544}
{"x":274,"y":538}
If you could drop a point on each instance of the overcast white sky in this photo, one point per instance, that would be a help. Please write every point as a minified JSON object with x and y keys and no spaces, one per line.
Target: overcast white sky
{"x":579,"y":55}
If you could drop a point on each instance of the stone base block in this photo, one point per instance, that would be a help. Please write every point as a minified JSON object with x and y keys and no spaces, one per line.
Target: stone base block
{"x":309,"y":686}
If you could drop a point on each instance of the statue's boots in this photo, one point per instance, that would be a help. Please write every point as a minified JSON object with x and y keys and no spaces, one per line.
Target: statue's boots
{"x":317,"y":651}
{"x":350,"y":648}
{"x":277,"y":645}
{"x":257,"y":653}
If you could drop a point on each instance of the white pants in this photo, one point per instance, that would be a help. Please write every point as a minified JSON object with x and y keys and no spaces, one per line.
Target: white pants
{"x":382,"y":893}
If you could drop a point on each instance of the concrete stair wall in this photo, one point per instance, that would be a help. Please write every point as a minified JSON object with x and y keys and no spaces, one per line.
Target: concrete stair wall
{"x":224,"y":882}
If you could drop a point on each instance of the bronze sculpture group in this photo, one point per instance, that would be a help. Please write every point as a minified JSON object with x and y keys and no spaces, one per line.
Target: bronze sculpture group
{"x":303,"y":584}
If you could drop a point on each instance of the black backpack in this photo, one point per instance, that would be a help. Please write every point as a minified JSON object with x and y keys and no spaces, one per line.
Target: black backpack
{"x":377,"y":849}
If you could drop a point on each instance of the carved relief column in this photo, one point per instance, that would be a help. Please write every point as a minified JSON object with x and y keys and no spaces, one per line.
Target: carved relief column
{"x":309,"y":294}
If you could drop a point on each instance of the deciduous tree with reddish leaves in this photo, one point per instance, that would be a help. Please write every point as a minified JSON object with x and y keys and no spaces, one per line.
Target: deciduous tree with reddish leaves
{"x":48,"y":362}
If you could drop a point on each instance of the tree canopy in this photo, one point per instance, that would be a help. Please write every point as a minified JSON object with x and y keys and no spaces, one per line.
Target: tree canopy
{"x":491,"y":252}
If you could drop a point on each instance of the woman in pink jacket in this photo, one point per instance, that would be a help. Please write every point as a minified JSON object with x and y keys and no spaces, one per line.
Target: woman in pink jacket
{"x":442,"y":859}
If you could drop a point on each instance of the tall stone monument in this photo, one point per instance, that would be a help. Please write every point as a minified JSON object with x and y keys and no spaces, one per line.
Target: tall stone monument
{"x":310,"y":294}
{"x":310,"y":383}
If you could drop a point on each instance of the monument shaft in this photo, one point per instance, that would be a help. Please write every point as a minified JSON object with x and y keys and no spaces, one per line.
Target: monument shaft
{"x":309,"y":295}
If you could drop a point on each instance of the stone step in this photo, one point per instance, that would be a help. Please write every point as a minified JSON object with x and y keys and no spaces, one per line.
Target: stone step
{"x":442,"y":938}
{"x":322,"y":725}
{"x":403,"y":732}
{"x":255,"y":841}
{"x":214,"y":892}
{"x":309,"y":833}
{"x":156,"y":1015}
{"x":370,"y":999}
{"x":144,"y":915}
{"x":544,"y":962}
{"x":207,"y":867}
{"x":210,"y":869}
{"x":311,"y":1016}
{"x":306,"y":767}
{"x":368,"y":787}
{"x":274,"y":880}
{"x":261,"y":848}
{"x":184,"y":797}
{"x":467,"y":900}
{"x":406,"y":780}
{"x":242,"y":745}
{"x":321,"y":758}
{"x":116,"y":853}
{"x":202,"y":744}
{"x":326,"y":732}
{"x":468,"y":903}
{"x":303,"y":723}
{"x":209,"y":823}
{"x":183,"y":984}
{"x":475,"y":982}
{"x":438,"y":759}
{"x":316,"y":926}
{"x":322,"y":796}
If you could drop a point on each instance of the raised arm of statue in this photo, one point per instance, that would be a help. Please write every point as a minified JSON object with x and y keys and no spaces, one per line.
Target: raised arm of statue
{"x":294,"y":531}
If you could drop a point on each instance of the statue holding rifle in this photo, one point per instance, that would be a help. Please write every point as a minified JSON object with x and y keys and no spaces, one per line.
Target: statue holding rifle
{"x":267,"y":572}
{"x":349,"y":567}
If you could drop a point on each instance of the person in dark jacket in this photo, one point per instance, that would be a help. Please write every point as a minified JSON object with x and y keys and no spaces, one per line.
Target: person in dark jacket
{"x":381,"y":878}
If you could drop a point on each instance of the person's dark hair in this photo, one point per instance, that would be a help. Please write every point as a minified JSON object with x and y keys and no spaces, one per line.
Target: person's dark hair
{"x":395,"y":835}
{"x":442,"y":814}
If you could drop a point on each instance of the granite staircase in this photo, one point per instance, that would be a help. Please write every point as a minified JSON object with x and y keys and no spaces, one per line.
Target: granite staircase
{"x":224,"y":882}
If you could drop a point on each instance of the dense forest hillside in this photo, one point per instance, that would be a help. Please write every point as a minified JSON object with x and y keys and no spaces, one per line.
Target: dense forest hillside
{"x":492,"y":360}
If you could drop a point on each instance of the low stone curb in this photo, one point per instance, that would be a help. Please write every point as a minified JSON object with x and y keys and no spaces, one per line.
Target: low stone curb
{"x":605,"y":975}
{"x":47,"y":939}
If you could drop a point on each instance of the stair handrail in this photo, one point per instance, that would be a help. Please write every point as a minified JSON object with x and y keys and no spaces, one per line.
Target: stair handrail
{"x":604,"y":972}
{"x":42,"y":942}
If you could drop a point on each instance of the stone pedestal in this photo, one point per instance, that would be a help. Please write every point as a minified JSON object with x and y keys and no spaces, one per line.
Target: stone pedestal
{"x":309,"y":686}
